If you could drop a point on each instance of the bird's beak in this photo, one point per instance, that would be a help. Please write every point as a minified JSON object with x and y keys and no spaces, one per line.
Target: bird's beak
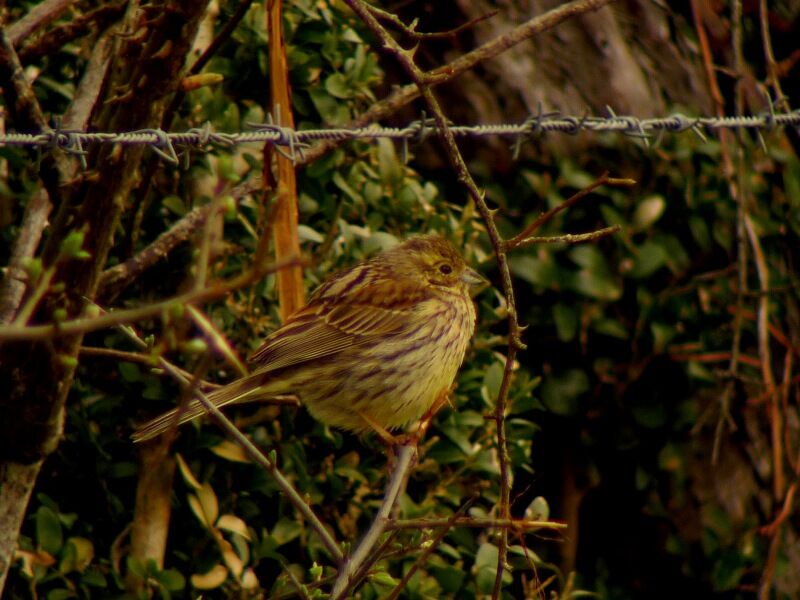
{"x":473,"y":279}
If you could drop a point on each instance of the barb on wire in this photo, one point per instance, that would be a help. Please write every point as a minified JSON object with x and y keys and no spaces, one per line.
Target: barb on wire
{"x":291,"y":142}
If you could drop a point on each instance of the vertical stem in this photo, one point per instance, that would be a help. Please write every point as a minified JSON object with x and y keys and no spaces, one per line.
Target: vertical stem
{"x":287,"y":243}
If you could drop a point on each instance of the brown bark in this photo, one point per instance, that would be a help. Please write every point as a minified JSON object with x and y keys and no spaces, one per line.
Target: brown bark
{"x":145,"y":72}
{"x":628,"y":56}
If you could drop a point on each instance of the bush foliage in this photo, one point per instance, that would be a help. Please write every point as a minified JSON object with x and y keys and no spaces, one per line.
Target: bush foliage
{"x":625,"y":418}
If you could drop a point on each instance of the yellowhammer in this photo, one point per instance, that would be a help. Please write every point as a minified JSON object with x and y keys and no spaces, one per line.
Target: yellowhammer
{"x":373,"y":348}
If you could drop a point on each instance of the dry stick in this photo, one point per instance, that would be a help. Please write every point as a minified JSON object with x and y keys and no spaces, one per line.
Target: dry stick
{"x":347,"y":571}
{"x":775,"y":420}
{"x":118,"y":277}
{"x":38,"y":16}
{"x":569,"y":238}
{"x":522,"y":239}
{"x":291,"y":293}
{"x":786,"y":384}
{"x":514,"y":342}
{"x":429,"y":549}
{"x":769,"y":56}
{"x":741,"y":239}
{"x":217,"y":339}
{"x":53,"y":40}
{"x":120,"y":317}
{"x":518,"y":524}
{"x":410,"y":31}
{"x":34,"y":221}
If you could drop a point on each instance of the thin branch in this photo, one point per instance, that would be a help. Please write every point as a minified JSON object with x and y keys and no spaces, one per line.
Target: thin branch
{"x":148,"y":360}
{"x":34,"y":222}
{"x":79,"y":111}
{"x":39,"y":16}
{"x":117,"y":278}
{"x":83,"y":325}
{"x":261,"y":459}
{"x":568,"y":238}
{"x":429,"y":548}
{"x":27,"y":115}
{"x":411,"y":31}
{"x":345,"y":579}
{"x":544,"y":218}
{"x":481,"y":523}
{"x":775,"y":416}
{"x":222,"y":37}
{"x":60,"y":36}
{"x":769,"y":56}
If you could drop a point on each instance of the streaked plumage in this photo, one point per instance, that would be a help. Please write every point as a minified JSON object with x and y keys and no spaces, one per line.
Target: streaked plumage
{"x":383,"y":338}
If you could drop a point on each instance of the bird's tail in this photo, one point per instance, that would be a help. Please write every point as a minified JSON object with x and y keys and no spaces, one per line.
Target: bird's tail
{"x":246,"y":389}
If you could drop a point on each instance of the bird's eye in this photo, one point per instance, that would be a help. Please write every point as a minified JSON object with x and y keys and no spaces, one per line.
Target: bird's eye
{"x":445,"y":269}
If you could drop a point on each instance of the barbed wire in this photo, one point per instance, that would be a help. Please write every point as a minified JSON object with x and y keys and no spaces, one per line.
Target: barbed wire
{"x":291,"y":142}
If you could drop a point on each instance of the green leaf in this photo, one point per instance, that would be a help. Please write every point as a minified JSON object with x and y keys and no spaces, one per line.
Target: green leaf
{"x":538,"y":510}
{"x":129,"y":371}
{"x":338,"y":86}
{"x":171,"y":579}
{"x":540,"y":270}
{"x":449,"y":578}
{"x":306,"y":234}
{"x":594,"y":279}
{"x":388,"y":164}
{"x":285,"y":531}
{"x":174,"y":204}
{"x":565,"y":318}
{"x":560,"y":393}
{"x":650,"y":257}
{"x":49,"y":535}
{"x":485,"y":568}
{"x":330,"y":109}
{"x":647,"y":212}
{"x":71,"y":246}
{"x":383,"y":579}
{"x":491,"y":382}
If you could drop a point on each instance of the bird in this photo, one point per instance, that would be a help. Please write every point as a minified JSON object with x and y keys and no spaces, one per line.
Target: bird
{"x":375,"y":348}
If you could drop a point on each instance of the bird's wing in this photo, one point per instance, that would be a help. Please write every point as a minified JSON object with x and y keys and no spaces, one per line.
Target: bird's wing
{"x":338,"y":317}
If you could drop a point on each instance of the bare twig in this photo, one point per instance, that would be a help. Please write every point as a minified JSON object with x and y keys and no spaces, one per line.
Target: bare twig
{"x":37,"y":17}
{"x":765,"y":355}
{"x":51,"y":41}
{"x":568,"y":238}
{"x":291,"y":293}
{"x":88,"y":92}
{"x":524,"y":236}
{"x":94,"y":323}
{"x":117,"y":278}
{"x":429,"y":548}
{"x":484,"y":523}
{"x":345,"y":579}
{"x":411,"y":30}
{"x":773,"y":78}
{"x":33,"y":224}
{"x":423,"y":82}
